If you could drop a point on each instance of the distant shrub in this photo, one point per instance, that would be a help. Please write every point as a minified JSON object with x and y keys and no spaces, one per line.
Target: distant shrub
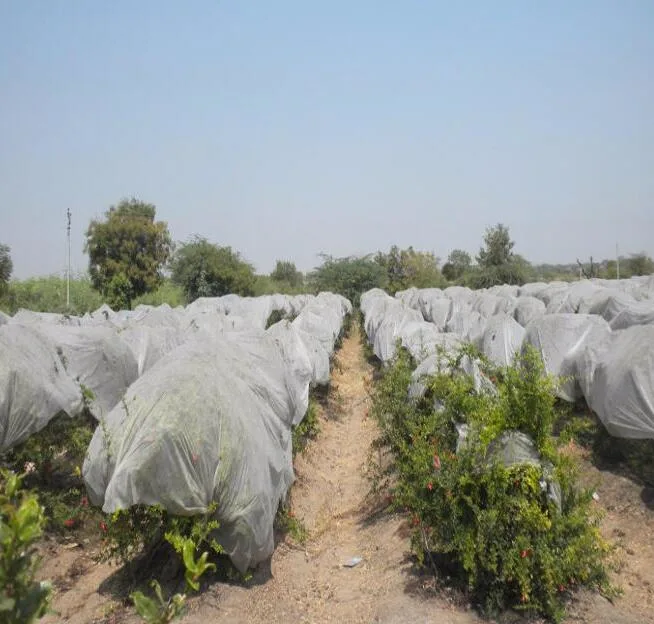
{"x":349,"y":276}
{"x":167,"y":293}
{"x":48,"y":294}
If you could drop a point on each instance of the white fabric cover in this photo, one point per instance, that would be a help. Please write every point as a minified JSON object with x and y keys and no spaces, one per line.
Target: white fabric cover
{"x":209,"y":422}
{"x":27,"y":317}
{"x":622,"y":390}
{"x":527,"y":309}
{"x":557,"y":335}
{"x":501,"y":340}
{"x":96,"y":358}
{"x":637,"y":313}
{"x":149,"y":344}
{"x":421,"y":339}
{"x":34,"y":385}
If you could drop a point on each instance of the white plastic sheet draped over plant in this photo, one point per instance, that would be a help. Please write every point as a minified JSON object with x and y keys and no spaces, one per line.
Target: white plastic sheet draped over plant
{"x":595,"y":335}
{"x":34,"y":385}
{"x":211,"y":422}
{"x":556,"y":337}
{"x":501,"y":340}
{"x":621,"y":391}
{"x":97,"y":359}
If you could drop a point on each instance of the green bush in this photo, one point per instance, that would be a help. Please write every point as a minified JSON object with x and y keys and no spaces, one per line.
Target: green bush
{"x":52,"y":460}
{"x":48,"y":294}
{"x":22,"y":599}
{"x":515,"y":534}
{"x":168,"y":293}
{"x":202,"y":269}
{"x":587,"y":430}
{"x":158,"y":610}
{"x":143,"y":530}
{"x":350,"y":276}
{"x":266,"y":285}
{"x":307,"y":429}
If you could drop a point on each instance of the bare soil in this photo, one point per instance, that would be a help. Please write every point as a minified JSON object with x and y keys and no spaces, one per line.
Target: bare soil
{"x":309,"y":581}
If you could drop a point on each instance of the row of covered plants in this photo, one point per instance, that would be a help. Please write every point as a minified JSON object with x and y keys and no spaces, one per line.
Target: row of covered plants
{"x":494,"y":500}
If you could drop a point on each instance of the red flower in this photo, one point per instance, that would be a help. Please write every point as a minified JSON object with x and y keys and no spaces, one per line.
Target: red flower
{"x":437,"y":462}
{"x":524,"y":553}
{"x":84,"y":502}
{"x":103,"y":526}
{"x":430,"y":486}
{"x":561,"y":588}
{"x":69,"y":523}
{"x":416,"y":521}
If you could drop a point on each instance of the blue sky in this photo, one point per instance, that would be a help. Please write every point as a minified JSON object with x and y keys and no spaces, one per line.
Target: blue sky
{"x":285,"y":129}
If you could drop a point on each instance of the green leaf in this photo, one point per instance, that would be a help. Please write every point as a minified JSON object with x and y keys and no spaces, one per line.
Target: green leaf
{"x":6,"y":603}
{"x":146,"y":607}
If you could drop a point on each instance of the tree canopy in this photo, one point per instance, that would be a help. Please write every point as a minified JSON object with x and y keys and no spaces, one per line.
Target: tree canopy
{"x":497,"y":262}
{"x":204,"y":269}
{"x":498,"y":247}
{"x":350,"y":276}
{"x":127,"y":252}
{"x":457,"y":265}
{"x":286,"y":272}
{"x":6,"y":267}
{"x":407,"y":267}
{"x":640,"y":264}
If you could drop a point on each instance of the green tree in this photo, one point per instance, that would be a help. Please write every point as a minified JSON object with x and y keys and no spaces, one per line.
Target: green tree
{"x":127,"y":252}
{"x":457,"y":265}
{"x":611,"y":269}
{"x":286,"y":272}
{"x":6,"y":267}
{"x":203,"y":269}
{"x":639,"y":264}
{"x":421,"y":269}
{"x":407,"y":267}
{"x":350,"y":276}
{"x":497,"y":262}
{"x":498,"y":247}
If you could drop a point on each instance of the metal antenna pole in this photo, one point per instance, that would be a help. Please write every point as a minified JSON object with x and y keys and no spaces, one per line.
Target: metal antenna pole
{"x":617,"y":261}
{"x":68,"y":269}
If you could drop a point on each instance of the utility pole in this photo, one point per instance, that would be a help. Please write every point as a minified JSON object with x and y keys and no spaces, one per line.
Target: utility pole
{"x":617,"y":261}
{"x":68,"y":268}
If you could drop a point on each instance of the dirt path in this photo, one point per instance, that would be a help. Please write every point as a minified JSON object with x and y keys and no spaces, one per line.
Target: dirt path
{"x":309,"y":583}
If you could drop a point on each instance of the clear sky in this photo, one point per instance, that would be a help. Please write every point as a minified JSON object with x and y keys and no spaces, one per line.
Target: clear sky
{"x":290,"y":128}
